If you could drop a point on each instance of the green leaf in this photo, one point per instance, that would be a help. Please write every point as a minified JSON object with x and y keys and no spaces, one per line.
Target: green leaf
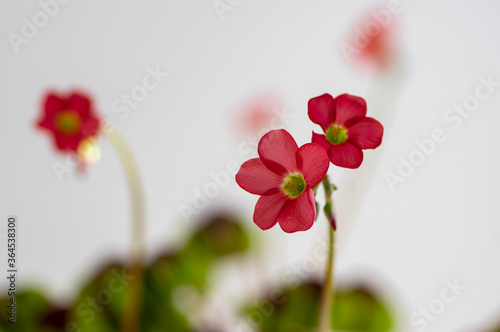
{"x":33,"y":313}
{"x":220,"y":237}
{"x":297,"y":308}
{"x":358,"y":309}
{"x":99,"y":305}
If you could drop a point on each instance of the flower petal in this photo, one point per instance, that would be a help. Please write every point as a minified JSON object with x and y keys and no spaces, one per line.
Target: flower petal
{"x":313,"y":163}
{"x":320,"y":140}
{"x":80,"y":103}
{"x":90,"y":127}
{"x":300,"y":214}
{"x":268,"y":209}
{"x":350,"y":109}
{"x":321,"y":110}
{"x":345,"y":155}
{"x":51,"y":105}
{"x":67,"y":143}
{"x":257,"y":179}
{"x":277,"y":151}
{"x":366,"y":134}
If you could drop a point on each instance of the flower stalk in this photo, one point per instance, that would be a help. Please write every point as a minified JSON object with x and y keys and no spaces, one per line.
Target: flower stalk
{"x":327,"y":296}
{"x":133,"y":302}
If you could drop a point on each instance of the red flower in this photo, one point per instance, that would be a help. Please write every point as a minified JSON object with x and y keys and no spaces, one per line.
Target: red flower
{"x":284,"y":176}
{"x":377,"y":50}
{"x":70,"y":119}
{"x":257,"y":115}
{"x":374,"y":41}
{"x":348,"y":130}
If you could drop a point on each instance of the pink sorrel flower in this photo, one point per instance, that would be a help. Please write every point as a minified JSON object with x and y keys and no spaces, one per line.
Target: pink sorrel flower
{"x":258,"y":115}
{"x":373,"y":44}
{"x":284,"y":176}
{"x":70,"y":119}
{"x":348,"y":130}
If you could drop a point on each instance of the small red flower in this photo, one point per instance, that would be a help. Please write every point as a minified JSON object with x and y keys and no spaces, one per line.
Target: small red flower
{"x":258,"y":114}
{"x":348,"y":130}
{"x":374,"y":40}
{"x":70,"y":119}
{"x":378,"y":49}
{"x":284,"y":176}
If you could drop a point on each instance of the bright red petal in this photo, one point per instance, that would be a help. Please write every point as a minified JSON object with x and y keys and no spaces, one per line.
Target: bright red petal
{"x":345,"y":155}
{"x":268,"y":209}
{"x":257,"y":179}
{"x":277,"y":151}
{"x":45,"y":123}
{"x":300,"y":214}
{"x":313,"y":163}
{"x":51,"y":106}
{"x":67,"y":142}
{"x":321,"y":110}
{"x":320,"y":140}
{"x":350,"y":109}
{"x":81,"y":104}
{"x":366,"y":134}
{"x":90,"y":127}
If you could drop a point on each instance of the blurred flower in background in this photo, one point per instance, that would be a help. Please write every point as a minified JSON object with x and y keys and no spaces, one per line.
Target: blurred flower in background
{"x":70,"y":119}
{"x":372,"y":43}
{"x":258,"y":114}
{"x":74,"y":125}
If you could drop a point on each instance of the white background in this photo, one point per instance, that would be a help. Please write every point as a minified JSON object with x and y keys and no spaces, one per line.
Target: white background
{"x":441,"y":223}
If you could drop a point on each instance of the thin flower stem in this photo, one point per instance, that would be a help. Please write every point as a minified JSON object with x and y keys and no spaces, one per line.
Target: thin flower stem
{"x":133,"y":303}
{"x":327,"y":296}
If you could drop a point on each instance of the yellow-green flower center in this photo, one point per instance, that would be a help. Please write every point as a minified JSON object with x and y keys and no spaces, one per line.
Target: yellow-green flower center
{"x":294,"y":185}
{"x":68,"y":122}
{"x":336,"y":134}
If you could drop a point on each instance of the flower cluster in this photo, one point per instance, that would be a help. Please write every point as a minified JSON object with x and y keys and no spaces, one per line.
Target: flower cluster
{"x":285,"y":175}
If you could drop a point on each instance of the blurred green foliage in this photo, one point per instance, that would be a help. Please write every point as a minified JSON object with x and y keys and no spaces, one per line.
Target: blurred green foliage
{"x":296,"y":310}
{"x":360,"y":309}
{"x":33,"y":313}
{"x":100,"y":303}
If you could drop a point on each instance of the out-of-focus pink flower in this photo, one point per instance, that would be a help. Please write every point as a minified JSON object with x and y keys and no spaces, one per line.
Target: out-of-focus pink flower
{"x":372,"y":43}
{"x":284,"y":176}
{"x":348,"y":130}
{"x":259,"y":114}
{"x":70,"y":119}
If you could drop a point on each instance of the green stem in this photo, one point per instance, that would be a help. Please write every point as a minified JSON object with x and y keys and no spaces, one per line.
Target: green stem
{"x":132,"y":307}
{"x":327,"y":296}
